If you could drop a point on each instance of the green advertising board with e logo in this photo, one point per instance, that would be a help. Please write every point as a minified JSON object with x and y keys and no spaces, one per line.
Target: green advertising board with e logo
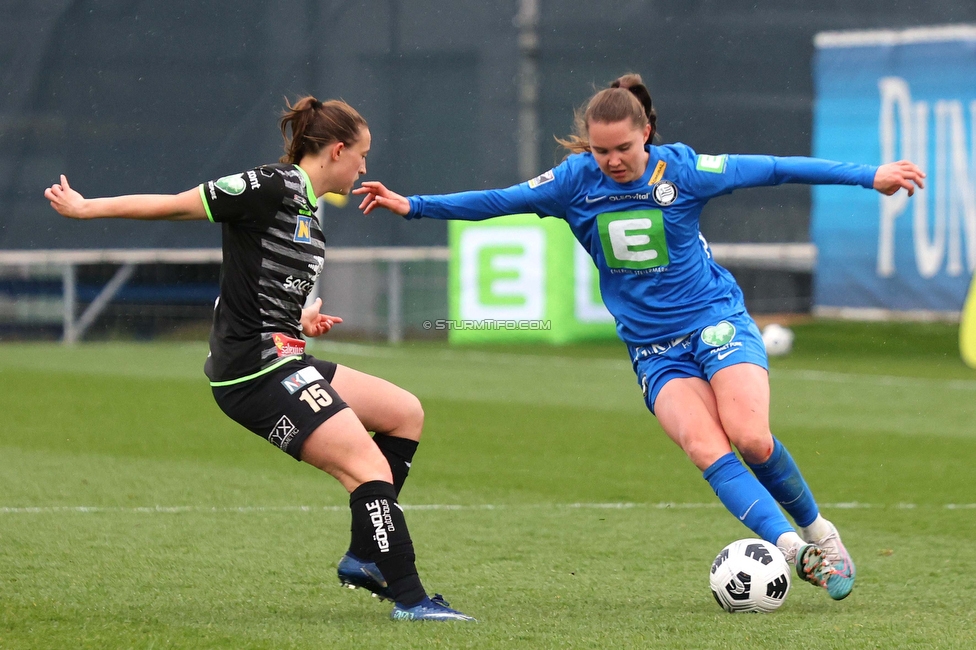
{"x":522,"y":278}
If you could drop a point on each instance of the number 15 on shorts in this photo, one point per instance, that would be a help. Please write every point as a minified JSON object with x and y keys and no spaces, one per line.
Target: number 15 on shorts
{"x":316,"y":397}
{"x":312,"y":394}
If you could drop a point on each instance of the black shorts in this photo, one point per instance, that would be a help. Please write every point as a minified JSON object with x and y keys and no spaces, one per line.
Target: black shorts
{"x":285,"y":405}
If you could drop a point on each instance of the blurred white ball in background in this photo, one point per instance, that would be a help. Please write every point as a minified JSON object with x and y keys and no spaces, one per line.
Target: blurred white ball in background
{"x":777,"y":339}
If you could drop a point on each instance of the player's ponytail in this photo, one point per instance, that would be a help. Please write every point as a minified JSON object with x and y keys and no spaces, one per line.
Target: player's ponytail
{"x":635,"y":85}
{"x":626,"y":98}
{"x":314,"y":124}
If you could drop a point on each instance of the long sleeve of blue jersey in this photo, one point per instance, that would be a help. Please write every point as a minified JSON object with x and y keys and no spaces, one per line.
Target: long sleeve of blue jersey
{"x":701,"y":176}
{"x":716,"y":175}
{"x":546,"y":198}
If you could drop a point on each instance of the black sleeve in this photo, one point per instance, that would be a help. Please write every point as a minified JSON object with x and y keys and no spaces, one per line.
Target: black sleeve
{"x":251,"y":197}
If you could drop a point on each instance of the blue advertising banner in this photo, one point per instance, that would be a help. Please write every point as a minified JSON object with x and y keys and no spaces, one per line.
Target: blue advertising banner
{"x":883,"y":96}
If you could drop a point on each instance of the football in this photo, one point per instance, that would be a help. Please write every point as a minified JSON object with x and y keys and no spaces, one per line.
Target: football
{"x":777,"y":339}
{"x":750,"y":575}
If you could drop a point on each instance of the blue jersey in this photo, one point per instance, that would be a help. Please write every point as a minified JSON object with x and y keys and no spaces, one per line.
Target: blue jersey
{"x":657,"y":275}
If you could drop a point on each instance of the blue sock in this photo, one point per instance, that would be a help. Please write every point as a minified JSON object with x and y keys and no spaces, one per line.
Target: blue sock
{"x":782,"y":478}
{"x":746,"y":498}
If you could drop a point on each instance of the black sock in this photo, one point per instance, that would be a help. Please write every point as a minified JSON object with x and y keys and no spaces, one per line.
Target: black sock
{"x":379,"y":534}
{"x":399,"y":454}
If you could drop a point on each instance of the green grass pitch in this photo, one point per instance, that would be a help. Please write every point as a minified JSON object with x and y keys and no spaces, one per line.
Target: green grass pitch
{"x":544,"y":500}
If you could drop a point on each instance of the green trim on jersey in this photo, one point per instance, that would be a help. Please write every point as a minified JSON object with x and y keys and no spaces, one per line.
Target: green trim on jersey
{"x":255,"y":375}
{"x":308,"y":188}
{"x":206,"y":206}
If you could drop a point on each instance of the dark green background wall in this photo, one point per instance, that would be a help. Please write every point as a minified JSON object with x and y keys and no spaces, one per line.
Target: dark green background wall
{"x":157,"y":97}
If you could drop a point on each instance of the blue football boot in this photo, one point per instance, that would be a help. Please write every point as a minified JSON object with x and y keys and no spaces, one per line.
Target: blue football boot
{"x":429,"y":609}
{"x":358,"y":574}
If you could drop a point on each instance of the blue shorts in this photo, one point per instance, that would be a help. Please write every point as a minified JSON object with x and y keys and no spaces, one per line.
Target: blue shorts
{"x":701,"y":354}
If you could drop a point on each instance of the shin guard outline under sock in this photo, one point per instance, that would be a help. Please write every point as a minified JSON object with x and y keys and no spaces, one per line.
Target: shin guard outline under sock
{"x":781,"y":476}
{"x":742,"y":494}
{"x":399,"y":454}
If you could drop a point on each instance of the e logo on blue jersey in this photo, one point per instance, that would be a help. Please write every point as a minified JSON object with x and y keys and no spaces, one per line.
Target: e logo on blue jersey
{"x":634,"y":239}
{"x":303,"y":230}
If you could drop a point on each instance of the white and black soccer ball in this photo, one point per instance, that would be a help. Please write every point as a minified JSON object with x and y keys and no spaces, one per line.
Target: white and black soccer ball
{"x":777,"y":339}
{"x":750,"y":575}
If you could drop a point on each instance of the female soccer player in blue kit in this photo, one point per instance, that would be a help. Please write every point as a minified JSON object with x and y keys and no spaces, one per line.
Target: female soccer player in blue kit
{"x":698,"y":355}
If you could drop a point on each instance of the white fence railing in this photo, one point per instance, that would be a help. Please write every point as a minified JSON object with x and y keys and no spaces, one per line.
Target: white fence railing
{"x":783,"y":257}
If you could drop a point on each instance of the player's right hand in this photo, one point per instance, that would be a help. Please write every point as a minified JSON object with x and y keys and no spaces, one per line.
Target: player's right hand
{"x":315,"y":323}
{"x":377,"y":195}
{"x":65,"y":200}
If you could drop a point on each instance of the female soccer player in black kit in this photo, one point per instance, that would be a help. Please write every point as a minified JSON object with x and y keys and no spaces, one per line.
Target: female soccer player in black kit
{"x":273,"y":251}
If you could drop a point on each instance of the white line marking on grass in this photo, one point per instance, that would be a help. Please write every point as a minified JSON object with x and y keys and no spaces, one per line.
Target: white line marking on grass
{"x":878,"y":380}
{"x":850,"y":505}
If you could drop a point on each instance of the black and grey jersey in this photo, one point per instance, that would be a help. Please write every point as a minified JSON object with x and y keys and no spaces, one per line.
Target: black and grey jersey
{"x":273,"y":250}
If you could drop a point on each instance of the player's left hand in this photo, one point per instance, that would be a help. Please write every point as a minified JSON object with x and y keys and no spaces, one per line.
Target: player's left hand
{"x":314,"y":323}
{"x":902,"y":174}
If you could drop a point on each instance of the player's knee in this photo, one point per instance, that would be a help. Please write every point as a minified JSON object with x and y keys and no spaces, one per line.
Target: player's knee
{"x":701,"y":451}
{"x":755,"y":448}
{"x":411,"y":417}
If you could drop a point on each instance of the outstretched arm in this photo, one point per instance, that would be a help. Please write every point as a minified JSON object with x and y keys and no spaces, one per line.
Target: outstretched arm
{"x":743,"y":171}
{"x":902,"y":174}
{"x":184,"y":206}
{"x":474,"y":205}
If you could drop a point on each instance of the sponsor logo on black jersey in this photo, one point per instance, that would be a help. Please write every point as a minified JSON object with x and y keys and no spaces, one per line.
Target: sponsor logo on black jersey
{"x":233,"y":184}
{"x":664,"y":192}
{"x":316,"y":267}
{"x":287,"y":346}
{"x":303,"y":230}
{"x":253,"y":177}
{"x":297,"y":285}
